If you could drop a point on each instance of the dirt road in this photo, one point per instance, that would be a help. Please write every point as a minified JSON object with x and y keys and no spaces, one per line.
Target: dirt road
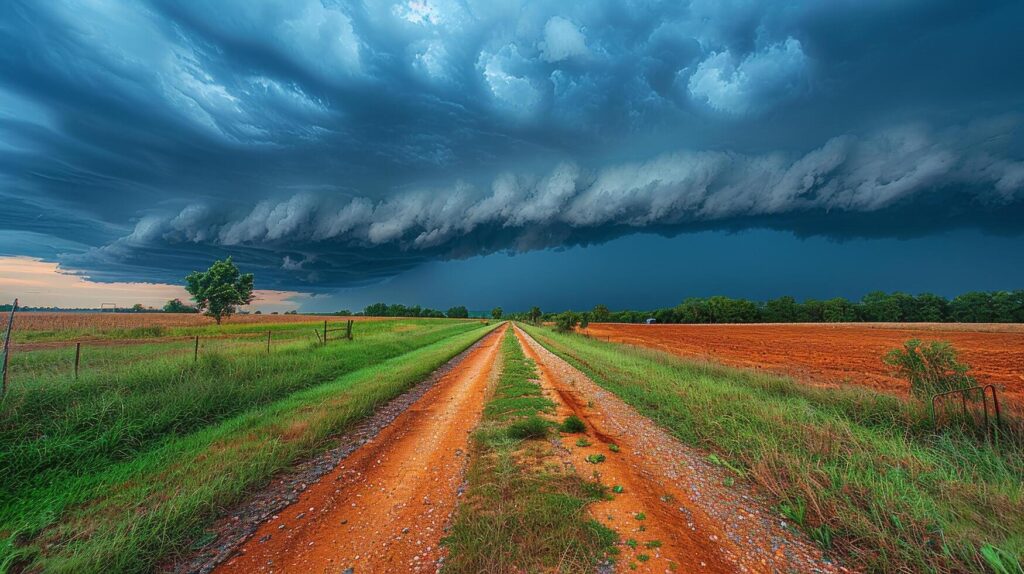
{"x":385,"y":507}
{"x":674,"y":504}
{"x":831,"y":354}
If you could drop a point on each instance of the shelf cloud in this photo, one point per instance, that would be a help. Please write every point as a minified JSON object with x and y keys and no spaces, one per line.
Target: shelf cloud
{"x":337,"y":144}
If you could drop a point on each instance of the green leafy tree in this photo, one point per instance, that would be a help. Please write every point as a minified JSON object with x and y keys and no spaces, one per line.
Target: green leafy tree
{"x":459,"y":312}
{"x":882,"y":307}
{"x":838,"y":310}
{"x":1008,"y":306}
{"x":600,"y":314}
{"x":138,"y":308}
{"x":930,"y":308}
{"x":812,"y":311}
{"x":782,"y":310}
{"x":176,"y":306}
{"x":931,"y":367}
{"x":566,"y":322}
{"x":972,"y":307}
{"x":219,"y":289}
{"x":496,"y":313}
{"x":534,"y":315}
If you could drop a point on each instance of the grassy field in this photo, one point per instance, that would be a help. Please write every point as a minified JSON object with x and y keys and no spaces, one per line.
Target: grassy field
{"x":523,"y":512}
{"x":35,"y":327}
{"x":50,"y":354}
{"x":125,"y":466}
{"x":862,"y":473}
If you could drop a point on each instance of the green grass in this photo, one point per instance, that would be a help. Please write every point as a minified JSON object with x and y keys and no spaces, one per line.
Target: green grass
{"x":862,"y":473}
{"x":118,"y":470}
{"x":25,"y":335}
{"x":521,"y":513}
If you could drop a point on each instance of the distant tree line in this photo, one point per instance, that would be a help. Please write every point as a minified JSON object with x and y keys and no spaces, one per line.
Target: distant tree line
{"x":877,"y":306}
{"x":399,"y":310}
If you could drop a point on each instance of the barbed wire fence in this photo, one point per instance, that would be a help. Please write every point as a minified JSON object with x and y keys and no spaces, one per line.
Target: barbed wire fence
{"x":198,"y":343}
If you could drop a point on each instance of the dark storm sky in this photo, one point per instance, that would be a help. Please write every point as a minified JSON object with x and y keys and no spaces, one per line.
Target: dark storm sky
{"x":404,"y":150}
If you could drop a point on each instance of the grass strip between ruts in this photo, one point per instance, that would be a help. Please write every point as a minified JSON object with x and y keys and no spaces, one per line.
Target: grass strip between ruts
{"x":523,"y":510}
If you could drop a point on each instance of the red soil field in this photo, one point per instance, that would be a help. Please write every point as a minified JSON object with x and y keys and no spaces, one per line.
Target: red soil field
{"x":836,"y":353}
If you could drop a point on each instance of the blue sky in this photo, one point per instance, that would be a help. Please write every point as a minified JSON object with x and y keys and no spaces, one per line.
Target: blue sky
{"x":634,"y":153}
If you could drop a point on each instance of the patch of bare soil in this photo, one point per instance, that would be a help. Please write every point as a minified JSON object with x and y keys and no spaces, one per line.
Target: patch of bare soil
{"x":385,"y":507}
{"x":674,"y":504}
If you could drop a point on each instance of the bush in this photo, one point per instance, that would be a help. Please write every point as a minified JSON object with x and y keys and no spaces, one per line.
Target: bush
{"x":572,"y":424}
{"x":530,"y":427}
{"x":930,"y":367}
{"x":566,"y":322}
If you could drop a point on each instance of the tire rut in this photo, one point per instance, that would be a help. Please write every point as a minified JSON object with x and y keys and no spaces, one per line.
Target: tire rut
{"x":691,"y":521}
{"x":386,"y":506}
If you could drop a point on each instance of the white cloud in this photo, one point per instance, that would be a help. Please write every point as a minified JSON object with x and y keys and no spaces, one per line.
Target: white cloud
{"x":562,"y":40}
{"x":752,"y":84}
{"x":859,"y":174}
{"x":512,"y":91}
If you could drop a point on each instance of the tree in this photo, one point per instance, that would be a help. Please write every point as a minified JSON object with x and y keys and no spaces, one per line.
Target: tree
{"x":972,"y":307}
{"x":566,"y":322}
{"x":496,"y":313}
{"x":584,"y":320}
{"x":459,"y":312}
{"x":219,"y":289}
{"x":782,"y":310}
{"x":838,"y":310}
{"x":882,"y":307}
{"x":176,"y":306}
{"x":534,"y":315}
{"x":930,"y":308}
{"x":600,"y":314}
{"x":138,"y":308}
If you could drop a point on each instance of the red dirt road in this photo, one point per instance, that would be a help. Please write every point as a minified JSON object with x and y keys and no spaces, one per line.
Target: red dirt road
{"x":832,"y":354}
{"x":385,"y":507}
{"x":674,"y":504}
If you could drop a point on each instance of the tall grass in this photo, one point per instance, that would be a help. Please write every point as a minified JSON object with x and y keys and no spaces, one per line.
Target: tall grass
{"x":519,"y":513}
{"x":115,"y":472}
{"x":862,"y":473}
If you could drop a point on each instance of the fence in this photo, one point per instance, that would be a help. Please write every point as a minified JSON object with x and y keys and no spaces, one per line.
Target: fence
{"x":266,"y":341}
{"x":968,"y":399}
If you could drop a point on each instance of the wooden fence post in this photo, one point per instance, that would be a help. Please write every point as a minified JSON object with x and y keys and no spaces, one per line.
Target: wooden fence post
{"x":78,"y":356}
{"x":325,"y":331}
{"x":268,"y":342}
{"x":348,"y":330}
{"x":7,"y":349}
{"x":195,"y":357}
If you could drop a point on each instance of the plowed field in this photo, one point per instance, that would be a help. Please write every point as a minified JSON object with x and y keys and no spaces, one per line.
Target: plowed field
{"x":834,"y":354}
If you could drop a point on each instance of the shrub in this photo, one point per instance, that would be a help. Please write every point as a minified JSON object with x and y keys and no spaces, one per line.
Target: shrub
{"x":566,"y":322}
{"x":930,"y":367}
{"x":572,"y":424}
{"x":529,"y":427}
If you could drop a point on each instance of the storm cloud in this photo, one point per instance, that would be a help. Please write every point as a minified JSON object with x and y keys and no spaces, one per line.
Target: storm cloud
{"x":336,"y":144}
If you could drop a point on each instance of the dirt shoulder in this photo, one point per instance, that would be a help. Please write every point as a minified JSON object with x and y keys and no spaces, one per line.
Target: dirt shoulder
{"x":675,"y":505}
